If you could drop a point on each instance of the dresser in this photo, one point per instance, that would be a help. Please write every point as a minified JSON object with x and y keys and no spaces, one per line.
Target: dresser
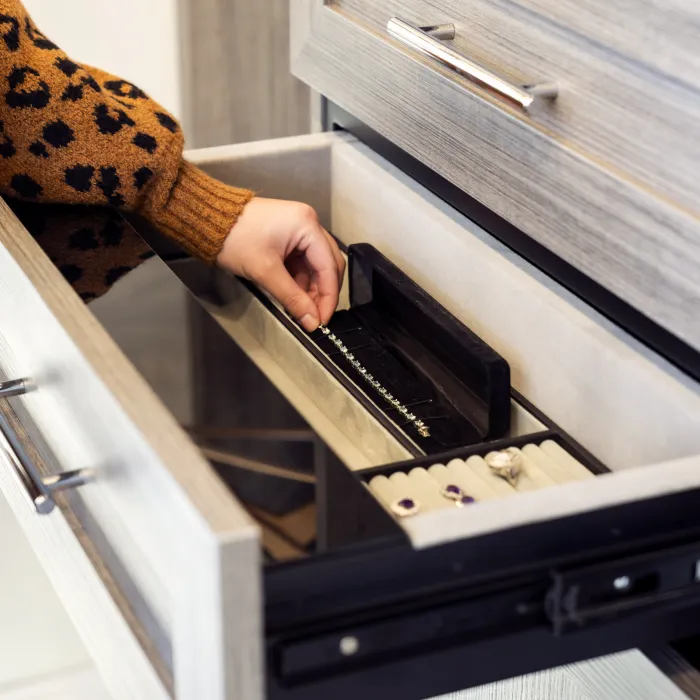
{"x":524,"y":170}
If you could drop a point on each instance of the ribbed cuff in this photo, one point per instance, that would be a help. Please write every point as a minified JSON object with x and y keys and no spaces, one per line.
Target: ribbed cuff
{"x":200,"y":211}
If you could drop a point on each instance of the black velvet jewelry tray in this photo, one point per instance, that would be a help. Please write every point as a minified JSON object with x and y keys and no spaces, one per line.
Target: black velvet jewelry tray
{"x":427,"y":359}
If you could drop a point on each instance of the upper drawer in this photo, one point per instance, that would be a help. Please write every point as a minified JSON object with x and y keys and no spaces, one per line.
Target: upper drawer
{"x":602,"y":176}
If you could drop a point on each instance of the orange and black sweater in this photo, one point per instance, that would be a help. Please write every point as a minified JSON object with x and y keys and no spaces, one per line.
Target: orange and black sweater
{"x":74,"y":134}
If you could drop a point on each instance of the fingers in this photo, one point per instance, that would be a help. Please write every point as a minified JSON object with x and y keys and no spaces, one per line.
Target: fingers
{"x":282,"y":247}
{"x":324,"y":270}
{"x":274,"y":277}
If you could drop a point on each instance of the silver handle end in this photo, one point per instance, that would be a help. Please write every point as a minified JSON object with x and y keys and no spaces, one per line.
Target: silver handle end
{"x":44,"y":505}
{"x":15,"y":387}
{"x":67,"y":480}
{"x":43,"y":486}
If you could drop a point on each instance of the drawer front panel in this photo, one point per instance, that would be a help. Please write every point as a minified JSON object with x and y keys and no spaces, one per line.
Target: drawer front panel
{"x":98,"y":612}
{"x":554,"y":186}
{"x":165,"y":526}
{"x":618,"y":113}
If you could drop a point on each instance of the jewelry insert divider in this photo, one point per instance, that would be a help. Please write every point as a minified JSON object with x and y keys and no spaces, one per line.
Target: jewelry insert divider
{"x":421,"y":367}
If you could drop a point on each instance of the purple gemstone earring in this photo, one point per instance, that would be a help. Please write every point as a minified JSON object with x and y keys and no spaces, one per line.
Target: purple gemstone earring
{"x":454,"y":493}
{"x":405,"y":507}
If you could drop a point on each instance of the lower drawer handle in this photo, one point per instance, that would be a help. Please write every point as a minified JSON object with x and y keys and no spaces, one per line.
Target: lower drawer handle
{"x":428,"y":41}
{"x":41,"y":488}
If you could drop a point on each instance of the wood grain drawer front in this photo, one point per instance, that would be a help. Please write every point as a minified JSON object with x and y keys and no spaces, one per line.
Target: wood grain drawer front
{"x":603,"y":178}
{"x":85,"y":590}
{"x":615,"y":111}
{"x":182,"y":550}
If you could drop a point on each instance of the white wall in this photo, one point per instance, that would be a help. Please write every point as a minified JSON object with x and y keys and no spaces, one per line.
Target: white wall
{"x":134,"y":39}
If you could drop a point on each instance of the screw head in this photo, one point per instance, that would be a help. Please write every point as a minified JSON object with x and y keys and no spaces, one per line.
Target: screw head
{"x":622,"y":583}
{"x":349,"y":646}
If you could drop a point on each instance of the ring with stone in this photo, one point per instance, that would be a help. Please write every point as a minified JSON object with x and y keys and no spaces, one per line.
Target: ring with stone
{"x":508,"y":464}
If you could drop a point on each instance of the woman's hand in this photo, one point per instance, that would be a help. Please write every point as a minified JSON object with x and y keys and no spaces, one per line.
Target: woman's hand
{"x":282,"y":247}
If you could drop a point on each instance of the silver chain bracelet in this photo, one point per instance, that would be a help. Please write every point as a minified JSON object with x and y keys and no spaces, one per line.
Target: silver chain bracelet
{"x":418,"y":424}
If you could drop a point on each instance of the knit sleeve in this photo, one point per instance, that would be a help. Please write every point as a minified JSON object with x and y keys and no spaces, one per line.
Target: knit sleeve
{"x":75,"y":134}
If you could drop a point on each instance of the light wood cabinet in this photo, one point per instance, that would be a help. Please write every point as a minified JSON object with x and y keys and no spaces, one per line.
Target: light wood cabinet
{"x":159,"y":566}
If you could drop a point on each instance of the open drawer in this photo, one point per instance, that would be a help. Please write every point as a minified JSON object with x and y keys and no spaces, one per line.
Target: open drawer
{"x":622,"y":402}
{"x":413,"y":607}
{"x":571,"y":370}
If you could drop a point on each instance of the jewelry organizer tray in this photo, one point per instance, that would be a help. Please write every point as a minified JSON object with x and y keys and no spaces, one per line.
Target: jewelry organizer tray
{"x":452,"y":488}
{"x":426,"y":371}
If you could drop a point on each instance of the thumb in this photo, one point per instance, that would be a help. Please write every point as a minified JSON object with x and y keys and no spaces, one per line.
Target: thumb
{"x":277,"y":281}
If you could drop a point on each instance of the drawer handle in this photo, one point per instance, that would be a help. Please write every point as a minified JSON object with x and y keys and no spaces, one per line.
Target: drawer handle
{"x":428,"y":40}
{"x":41,"y":488}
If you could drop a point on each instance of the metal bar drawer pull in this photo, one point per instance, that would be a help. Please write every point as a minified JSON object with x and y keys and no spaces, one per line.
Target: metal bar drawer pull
{"x":41,"y":488}
{"x":429,"y":40}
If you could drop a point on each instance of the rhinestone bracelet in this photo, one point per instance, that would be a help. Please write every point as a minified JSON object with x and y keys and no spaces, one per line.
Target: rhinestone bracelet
{"x":418,"y":424}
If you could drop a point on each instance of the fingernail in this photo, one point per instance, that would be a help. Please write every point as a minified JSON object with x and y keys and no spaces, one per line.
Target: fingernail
{"x":309,"y":323}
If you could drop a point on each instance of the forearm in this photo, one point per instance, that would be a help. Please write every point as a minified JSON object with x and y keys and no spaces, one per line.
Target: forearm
{"x":77,"y":135}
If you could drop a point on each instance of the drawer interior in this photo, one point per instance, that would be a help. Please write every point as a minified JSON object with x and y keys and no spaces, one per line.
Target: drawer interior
{"x":577,"y":382}
{"x":571,"y":370}
{"x":564,"y":357}
{"x":529,"y":428}
{"x":626,"y":405}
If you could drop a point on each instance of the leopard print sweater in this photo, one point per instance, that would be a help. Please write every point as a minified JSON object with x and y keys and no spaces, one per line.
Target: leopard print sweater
{"x":74,"y":134}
